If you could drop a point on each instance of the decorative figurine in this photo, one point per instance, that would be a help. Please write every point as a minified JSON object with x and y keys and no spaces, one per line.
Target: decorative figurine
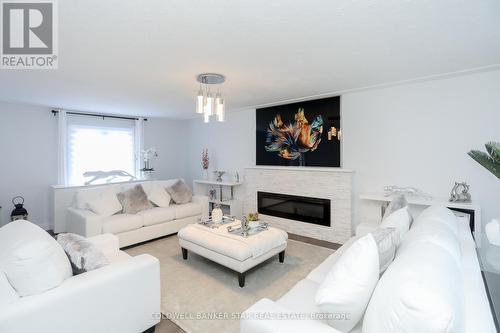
{"x":108,"y":175}
{"x":411,"y":191}
{"x":212,"y":193}
{"x":219,"y":175}
{"x":460,"y":192}
{"x":244,"y":224}
{"x":217,"y":214}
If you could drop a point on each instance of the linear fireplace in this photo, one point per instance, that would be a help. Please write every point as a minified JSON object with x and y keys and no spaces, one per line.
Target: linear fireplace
{"x":305,"y":209}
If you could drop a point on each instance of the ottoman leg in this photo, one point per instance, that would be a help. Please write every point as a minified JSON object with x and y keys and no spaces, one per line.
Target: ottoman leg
{"x":282,"y":256}
{"x":241,"y":279}
{"x":184,"y":253}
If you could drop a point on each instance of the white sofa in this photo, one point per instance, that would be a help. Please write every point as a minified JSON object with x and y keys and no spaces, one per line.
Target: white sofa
{"x":268,"y":316}
{"x":132,"y":228}
{"x":123,"y":296}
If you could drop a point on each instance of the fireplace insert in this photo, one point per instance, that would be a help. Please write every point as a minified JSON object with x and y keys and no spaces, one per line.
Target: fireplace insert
{"x":304,"y":209}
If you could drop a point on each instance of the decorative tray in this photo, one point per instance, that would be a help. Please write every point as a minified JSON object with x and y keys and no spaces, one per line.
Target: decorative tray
{"x":213,"y":225}
{"x":253,"y":229}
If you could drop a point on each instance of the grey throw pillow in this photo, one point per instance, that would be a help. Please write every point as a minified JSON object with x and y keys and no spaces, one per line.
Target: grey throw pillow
{"x":180,"y":192}
{"x":387,"y":240}
{"x":398,"y":202}
{"x":82,"y":254}
{"x":134,"y":200}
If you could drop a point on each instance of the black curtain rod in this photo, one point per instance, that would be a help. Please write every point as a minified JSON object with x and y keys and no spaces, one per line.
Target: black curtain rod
{"x":98,"y":115}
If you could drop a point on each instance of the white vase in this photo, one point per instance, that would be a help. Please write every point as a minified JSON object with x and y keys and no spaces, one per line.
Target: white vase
{"x":205,"y":174}
{"x":217,"y":214}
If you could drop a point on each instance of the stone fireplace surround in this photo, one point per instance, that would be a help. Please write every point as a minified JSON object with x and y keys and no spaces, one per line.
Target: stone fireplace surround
{"x":328,"y":183}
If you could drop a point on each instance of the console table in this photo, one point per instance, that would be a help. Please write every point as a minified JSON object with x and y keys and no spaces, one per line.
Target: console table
{"x":471,"y":208}
{"x":228,"y":203}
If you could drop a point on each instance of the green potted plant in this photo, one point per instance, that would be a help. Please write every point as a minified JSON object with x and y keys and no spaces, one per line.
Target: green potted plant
{"x":489,"y":159}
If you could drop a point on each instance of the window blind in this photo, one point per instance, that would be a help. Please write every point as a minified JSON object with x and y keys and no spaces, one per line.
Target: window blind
{"x":97,"y":144}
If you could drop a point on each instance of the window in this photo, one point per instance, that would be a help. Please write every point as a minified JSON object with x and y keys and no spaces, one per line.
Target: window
{"x":99,"y":144}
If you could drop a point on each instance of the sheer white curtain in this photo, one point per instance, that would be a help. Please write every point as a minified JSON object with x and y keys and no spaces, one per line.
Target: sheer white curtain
{"x":139,"y":144}
{"x":62,"y":177}
{"x":90,"y":143}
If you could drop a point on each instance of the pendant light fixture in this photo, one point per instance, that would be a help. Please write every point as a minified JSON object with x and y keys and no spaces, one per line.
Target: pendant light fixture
{"x":206,"y":103}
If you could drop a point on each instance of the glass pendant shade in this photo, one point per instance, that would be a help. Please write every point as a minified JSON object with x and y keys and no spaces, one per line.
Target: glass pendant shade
{"x":206,"y":118}
{"x":200,"y":101}
{"x":209,"y":105}
{"x":220,"y":110}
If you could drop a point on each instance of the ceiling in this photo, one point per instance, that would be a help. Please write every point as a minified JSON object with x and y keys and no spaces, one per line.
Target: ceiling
{"x":142,"y":57}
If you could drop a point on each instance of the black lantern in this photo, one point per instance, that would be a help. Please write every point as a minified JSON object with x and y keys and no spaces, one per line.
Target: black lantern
{"x":19,"y":213}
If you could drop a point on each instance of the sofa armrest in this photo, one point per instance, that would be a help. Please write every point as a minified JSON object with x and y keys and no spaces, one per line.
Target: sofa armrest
{"x":267,"y":316}
{"x":83,"y":222}
{"x":120,"y":297}
{"x":203,"y":201}
{"x":106,"y":243}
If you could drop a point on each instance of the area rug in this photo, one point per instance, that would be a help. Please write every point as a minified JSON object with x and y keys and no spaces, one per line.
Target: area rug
{"x":201,"y":296}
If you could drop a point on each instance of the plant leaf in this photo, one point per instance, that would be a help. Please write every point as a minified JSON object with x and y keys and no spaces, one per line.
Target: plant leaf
{"x":486,"y":161}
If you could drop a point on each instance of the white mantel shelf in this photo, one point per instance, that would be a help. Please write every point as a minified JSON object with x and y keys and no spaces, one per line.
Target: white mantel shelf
{"x":295,"y":168}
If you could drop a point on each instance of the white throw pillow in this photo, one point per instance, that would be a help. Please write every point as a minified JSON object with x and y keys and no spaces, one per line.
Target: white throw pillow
{"x":106,"y":204}
{"x":399,"y":220}
{"x":346,"y":290}
{"x":31,"y":259}
{"x":435,"y":233}
{"x":159,"y":196}
{"x":421,"y":291}
{"x":438,"y":214}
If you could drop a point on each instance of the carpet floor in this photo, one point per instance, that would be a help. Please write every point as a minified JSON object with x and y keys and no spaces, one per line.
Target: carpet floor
{"x":194,"y":289}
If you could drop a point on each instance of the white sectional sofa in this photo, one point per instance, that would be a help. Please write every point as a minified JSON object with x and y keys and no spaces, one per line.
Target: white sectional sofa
{"x":132,"y":228}
{"x":388,"y":312}
{"x":123,"y":296}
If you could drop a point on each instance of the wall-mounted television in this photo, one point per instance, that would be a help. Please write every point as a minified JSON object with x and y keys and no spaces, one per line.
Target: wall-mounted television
{"x":305,"y":133}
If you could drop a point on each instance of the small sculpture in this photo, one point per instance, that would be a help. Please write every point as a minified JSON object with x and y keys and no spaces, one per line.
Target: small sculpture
{"x":212,"y":193}
{"x":410,"y":191}
{"x":244,"y":223}
{"x":460,"y":192}
{"x":110,"y":175}
{"x":217,"y":214}
{"x":219,"y":175}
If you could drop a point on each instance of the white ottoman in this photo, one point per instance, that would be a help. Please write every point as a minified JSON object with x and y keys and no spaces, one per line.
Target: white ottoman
{"x":235,"y":252}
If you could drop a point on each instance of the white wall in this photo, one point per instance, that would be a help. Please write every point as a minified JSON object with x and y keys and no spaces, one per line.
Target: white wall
{"x":28,"y":156}
{"x":411,"y":135}
{"x":28,"y":159}
{"x":419,"y":135}
{"x":169,"y":137}
{"x":231,"y":144}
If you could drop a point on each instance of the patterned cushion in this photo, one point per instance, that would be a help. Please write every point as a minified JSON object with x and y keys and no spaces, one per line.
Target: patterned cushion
{"x":387,"y":240}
